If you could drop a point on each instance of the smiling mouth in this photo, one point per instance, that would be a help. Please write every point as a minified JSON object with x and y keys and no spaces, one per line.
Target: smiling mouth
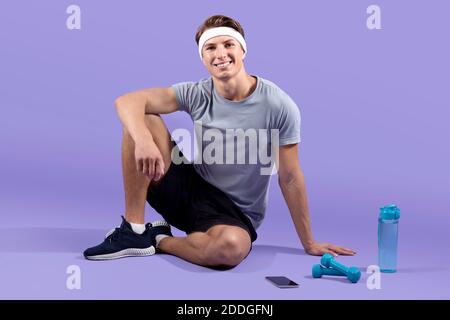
{"x":222,"y":65}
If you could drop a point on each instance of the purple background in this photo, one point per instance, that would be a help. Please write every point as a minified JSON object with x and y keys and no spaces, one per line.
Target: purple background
{"x":374,"y":128}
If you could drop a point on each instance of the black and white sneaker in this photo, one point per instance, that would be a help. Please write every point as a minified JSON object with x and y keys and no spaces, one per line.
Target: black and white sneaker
{"x":124,"y":242}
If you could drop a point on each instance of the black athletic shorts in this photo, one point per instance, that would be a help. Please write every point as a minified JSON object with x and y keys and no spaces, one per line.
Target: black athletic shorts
{"x":189,"y":203}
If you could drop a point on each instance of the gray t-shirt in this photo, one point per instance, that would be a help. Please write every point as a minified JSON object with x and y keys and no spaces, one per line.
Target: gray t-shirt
{"x":235,"y":139}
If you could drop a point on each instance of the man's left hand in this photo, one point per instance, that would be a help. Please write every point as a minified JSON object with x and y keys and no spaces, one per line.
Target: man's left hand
{"x":318,"y":249}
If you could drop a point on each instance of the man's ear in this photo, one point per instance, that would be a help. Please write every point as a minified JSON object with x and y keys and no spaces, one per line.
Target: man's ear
{"x":243,"y":57}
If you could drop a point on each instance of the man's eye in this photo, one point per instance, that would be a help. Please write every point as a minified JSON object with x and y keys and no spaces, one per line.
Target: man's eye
{"x":230,"y":44}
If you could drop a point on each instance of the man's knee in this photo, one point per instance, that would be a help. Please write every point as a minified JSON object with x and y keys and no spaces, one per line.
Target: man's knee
{"x":155,"y":125}
{"x":152,"y":119}
{"x":229,"y":250}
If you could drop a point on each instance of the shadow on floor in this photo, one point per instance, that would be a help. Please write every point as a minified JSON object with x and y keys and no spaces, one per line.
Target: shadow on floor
{"x":35,"y":240}
{"x":76,"y":240}
{"x":259,"y":258}
{"x":333,"y":278}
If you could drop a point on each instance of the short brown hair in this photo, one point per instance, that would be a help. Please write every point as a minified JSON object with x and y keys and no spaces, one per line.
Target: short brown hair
{"x":218,"y":21}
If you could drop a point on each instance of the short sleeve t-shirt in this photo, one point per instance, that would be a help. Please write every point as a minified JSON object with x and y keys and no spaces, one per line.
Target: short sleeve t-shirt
{"x":236,"y":139}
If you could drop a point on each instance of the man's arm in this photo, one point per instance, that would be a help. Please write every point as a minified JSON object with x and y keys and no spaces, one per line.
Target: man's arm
{"x":132,"y":108}
{"x":292,"y":184}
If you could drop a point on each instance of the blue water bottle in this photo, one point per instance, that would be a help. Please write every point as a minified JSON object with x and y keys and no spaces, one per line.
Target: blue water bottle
{"x":388,"y":238}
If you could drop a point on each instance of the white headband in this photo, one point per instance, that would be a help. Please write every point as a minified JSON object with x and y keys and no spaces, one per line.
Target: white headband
{"x":220,"y":31}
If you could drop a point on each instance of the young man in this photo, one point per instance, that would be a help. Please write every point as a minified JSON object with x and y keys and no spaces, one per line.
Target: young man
{"x":219,"y":204}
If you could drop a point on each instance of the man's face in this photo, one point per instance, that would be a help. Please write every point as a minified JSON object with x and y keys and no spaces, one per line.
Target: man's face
{"x":223,"y":56}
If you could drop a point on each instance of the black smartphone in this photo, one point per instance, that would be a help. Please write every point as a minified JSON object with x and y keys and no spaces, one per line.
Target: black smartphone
{"x":282,"y":282}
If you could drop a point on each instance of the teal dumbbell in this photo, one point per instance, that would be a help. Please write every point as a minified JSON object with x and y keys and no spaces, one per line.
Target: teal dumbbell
{"x":318,"y":271}
{"x":353,"y":274}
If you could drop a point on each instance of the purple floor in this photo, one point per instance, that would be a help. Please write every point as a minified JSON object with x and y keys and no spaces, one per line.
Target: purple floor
{"x":34,"y":260}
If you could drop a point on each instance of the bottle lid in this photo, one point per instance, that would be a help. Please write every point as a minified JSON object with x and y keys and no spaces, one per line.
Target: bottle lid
{"x":390,"y":212}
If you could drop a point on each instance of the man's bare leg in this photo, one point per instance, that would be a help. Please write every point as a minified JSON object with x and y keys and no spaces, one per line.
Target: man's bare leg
{"x":221,"y":245}
{"x":136,"y":183}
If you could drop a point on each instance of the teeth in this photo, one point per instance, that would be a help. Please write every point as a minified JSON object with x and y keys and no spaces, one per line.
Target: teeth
{"x":223,"y":64}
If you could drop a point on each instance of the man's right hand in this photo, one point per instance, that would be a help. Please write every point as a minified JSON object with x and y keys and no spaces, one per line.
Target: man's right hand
{"x":149,"y":160}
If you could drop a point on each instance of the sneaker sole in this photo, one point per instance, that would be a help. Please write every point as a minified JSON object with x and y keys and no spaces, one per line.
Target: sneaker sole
{"x":160,"y":223}
{"x":130,"y":252}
